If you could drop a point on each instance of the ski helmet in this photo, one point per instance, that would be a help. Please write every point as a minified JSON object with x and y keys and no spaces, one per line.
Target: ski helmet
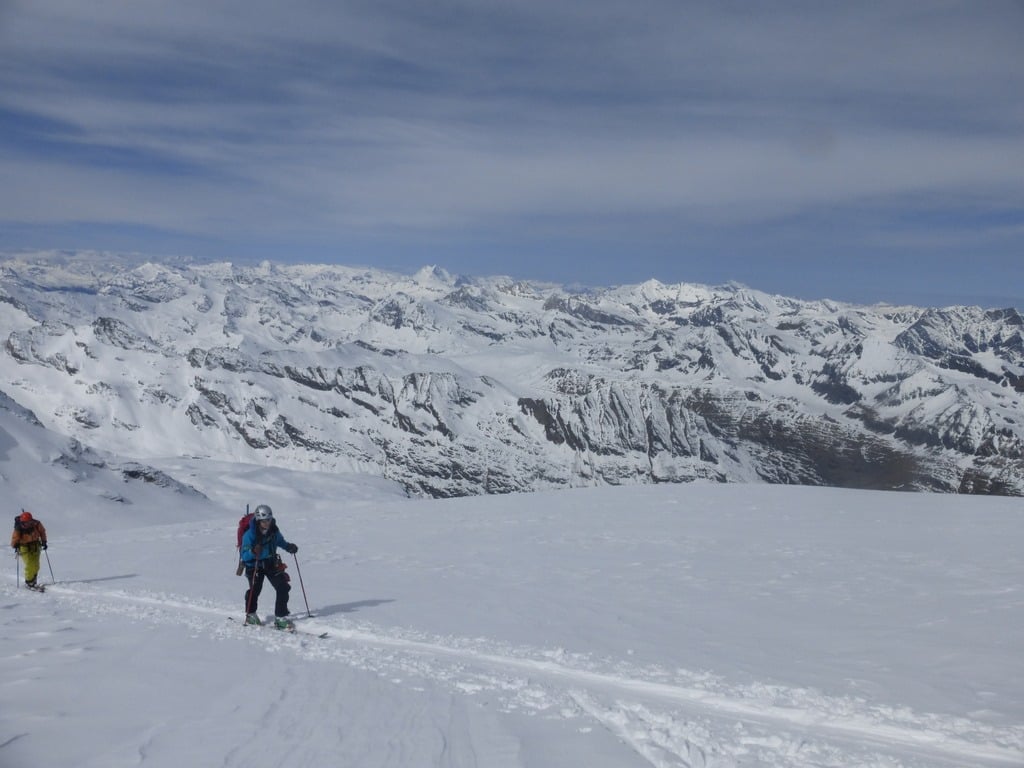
{"x":25,"y":517}
{"x":263,"y":512}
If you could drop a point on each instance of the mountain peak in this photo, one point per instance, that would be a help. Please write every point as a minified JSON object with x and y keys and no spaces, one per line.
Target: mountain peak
{"x":433,"y":274}
{"x":453,"y":386}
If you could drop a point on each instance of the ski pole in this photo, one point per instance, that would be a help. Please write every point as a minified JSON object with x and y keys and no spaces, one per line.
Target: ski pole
{"x":252,"y":587}
{"x":17,"y":559}
{"x":52,"y":580}
{"x":299,"y":571}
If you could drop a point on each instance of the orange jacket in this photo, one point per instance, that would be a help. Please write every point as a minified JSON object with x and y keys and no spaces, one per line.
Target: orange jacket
{"x":22,"y":537}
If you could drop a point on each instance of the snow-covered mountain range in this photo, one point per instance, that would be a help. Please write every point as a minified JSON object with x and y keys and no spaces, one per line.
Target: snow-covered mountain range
{"x":452,"y":386}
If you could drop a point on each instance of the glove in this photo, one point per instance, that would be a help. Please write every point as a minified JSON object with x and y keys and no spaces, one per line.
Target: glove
{"x":44,"y":545}
{"x":257,"y":551}
{"x":291,"y":549}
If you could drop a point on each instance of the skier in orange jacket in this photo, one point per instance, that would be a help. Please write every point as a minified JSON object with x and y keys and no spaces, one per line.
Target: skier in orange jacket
{"x":28,"y":539}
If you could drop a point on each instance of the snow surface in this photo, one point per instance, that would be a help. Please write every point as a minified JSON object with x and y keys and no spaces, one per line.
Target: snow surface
{"x":683,"y":625}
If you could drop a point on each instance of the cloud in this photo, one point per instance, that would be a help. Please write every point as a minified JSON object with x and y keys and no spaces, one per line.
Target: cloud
{"x":229,"y":119}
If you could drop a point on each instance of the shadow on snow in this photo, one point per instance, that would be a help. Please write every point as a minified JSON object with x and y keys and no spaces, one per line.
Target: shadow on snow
{"x":329,"y":610}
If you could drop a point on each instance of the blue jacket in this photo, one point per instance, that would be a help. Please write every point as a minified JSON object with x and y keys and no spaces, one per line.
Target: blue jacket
{"x":269,"y":543}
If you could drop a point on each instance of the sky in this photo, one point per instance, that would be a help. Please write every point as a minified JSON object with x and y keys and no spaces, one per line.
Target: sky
{"x":864,"y":152}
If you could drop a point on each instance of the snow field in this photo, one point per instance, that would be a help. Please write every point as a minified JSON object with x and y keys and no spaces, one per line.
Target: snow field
{"x":666,"y":626}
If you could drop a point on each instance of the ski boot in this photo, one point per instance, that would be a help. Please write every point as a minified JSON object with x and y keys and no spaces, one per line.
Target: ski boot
{"x":252,"y":618}
{"x":282,"y":623}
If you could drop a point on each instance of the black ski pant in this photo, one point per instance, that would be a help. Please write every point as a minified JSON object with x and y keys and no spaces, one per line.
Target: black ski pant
{"x":278,"y":579}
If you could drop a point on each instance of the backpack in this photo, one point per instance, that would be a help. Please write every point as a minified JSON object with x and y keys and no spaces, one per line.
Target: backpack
{"x":243,"y":526}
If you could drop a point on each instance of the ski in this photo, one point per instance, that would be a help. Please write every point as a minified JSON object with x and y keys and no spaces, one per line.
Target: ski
{"x":291,"y":629}
{"x":302,"y":619}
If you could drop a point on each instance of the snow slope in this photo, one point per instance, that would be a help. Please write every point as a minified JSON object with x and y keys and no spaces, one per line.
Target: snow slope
{"x":682,"y":625}
{"x":454,"y":386}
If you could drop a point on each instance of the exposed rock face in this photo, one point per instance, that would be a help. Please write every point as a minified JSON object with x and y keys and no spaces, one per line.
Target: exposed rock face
{"x":454,"y":386}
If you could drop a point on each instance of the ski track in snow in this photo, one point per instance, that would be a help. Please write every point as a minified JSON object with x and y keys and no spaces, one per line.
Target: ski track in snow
{"x":671,"y":719}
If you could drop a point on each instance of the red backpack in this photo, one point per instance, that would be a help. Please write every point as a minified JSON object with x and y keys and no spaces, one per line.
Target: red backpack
{"x":243,"y":526}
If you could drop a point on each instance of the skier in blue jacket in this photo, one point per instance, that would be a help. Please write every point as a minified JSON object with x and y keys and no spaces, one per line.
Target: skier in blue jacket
{"x":259,"y":555}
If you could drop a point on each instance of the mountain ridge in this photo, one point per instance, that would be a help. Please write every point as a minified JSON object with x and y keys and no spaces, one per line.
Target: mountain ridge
{"x":453,"y":386}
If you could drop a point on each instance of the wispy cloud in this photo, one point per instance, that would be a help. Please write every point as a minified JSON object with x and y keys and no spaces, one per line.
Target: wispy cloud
{"x":236,"y":120}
